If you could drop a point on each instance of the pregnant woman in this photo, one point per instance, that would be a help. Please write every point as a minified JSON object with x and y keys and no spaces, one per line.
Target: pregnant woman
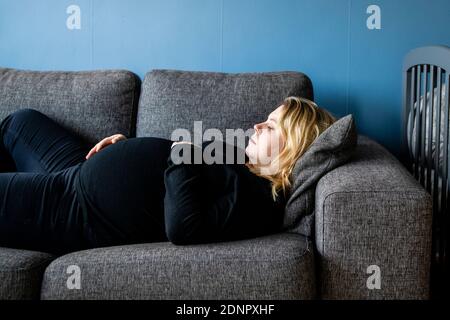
{"x":58,"y":195}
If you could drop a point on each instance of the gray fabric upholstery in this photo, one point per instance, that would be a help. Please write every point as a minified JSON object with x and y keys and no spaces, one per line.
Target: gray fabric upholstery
{"x":371,"y":211}
{"x":279,"y":266}
{"x":21,"y":273}
{"x":92,"y":104}
{"x":173,"y":99}
{"x":332,"y":148}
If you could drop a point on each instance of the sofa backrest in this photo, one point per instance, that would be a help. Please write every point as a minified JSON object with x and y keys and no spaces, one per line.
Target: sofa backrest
{"x":174,"y":99}
{"x":92,"y":104}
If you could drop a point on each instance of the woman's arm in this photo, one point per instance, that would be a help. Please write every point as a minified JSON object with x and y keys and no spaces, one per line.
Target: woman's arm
{"x":186,"y":220}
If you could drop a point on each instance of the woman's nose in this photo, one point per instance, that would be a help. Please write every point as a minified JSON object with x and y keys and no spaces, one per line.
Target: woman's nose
{"x":256,"y":127}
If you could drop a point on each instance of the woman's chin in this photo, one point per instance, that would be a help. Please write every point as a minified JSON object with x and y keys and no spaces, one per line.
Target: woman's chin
{"x":249,"y":152}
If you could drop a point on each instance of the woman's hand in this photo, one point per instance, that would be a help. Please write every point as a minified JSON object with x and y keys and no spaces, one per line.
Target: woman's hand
{"x":180,"y":142}
{"x":105,"y":142}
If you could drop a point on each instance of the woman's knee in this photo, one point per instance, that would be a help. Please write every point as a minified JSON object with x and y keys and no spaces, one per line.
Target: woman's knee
{"x":25,"y":113}
{"x":19,"y":116}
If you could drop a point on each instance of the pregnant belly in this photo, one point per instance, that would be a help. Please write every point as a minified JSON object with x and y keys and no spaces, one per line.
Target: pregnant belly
{"x":122,"y":190}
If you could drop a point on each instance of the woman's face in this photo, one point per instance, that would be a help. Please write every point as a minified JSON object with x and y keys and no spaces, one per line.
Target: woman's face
{"x":267,"y":141}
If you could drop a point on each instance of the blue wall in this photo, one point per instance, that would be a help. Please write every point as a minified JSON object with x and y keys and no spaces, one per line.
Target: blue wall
{"x":353,"y":69}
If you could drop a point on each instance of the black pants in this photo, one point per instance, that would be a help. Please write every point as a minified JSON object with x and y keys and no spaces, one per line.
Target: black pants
{"x":38,"y":162}
{"x":52,"y":199}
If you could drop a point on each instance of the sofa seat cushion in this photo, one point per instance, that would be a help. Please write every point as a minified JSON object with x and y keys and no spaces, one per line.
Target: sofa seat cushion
{"x":21,"y":273}
{"x":277,"y":266}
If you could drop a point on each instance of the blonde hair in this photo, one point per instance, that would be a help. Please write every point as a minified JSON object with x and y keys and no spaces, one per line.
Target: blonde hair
{"x":301,"y":122}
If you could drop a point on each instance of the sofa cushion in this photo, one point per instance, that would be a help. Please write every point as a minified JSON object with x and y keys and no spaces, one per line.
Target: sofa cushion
{"x":279,"y":266}
{"x":21,"y":273}
{"x":332,"y":148}
{"x":174,"y":99}
{"x":92,"y":104}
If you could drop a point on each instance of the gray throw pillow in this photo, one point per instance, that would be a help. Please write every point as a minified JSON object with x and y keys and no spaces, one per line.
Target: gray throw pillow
{"x":332,"y":148}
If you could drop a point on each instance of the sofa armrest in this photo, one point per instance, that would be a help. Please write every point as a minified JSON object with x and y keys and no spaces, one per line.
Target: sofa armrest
{"x":372,"y":212}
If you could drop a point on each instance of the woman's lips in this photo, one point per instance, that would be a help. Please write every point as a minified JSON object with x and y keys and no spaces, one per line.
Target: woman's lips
{"x":252,"y":141}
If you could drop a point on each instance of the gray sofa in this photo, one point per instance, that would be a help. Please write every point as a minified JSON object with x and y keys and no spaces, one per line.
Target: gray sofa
{"x":368,"y":212}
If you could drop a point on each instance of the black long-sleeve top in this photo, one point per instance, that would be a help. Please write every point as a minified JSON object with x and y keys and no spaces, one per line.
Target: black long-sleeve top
{"x":218,"y":202}
{"x":132,"y":192}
